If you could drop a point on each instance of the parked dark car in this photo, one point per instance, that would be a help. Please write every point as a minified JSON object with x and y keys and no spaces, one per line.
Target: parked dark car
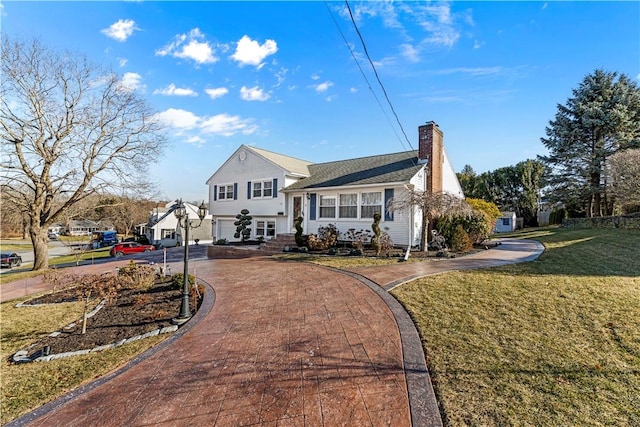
{"x":10,"y":259}
{"x":127,"y":248}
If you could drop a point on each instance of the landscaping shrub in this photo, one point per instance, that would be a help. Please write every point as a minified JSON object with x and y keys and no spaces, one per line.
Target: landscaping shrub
{"x":357,"y":238}
{"x":326,"y":238}
{"x":477,"y":225}
{"x":177,"y":280}
{"x":243,"y":231}
{"x":136,"y":276}
{"x":385,"y":244}
{"x":300,"y":240}
{"x":460,"y":241}
{"x":375,"y":240}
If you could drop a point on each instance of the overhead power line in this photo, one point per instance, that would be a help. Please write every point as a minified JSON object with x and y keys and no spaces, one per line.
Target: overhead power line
{"x":366,"y":52}
{"x":364,"y":76}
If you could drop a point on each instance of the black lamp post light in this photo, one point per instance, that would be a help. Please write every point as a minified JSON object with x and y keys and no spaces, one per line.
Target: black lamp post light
{"x":181,"y":214}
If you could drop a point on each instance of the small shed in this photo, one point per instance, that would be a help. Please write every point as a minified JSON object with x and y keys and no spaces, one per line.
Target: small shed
{"x":506,"y":223}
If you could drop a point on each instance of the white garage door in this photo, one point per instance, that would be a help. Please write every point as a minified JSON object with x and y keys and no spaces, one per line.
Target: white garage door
{"x":226,"y":230}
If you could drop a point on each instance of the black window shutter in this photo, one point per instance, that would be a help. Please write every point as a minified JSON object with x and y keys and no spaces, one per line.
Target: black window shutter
{"x":275,"y":187}
{"x":312,"y":207}
{"x":235,"y":191}
{"x":249,"y":190}
{"x":215,"y":193}
{"x":388,"y":195}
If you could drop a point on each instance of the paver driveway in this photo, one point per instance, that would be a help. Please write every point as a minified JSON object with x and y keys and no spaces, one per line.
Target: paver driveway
{"x":284,"y":344}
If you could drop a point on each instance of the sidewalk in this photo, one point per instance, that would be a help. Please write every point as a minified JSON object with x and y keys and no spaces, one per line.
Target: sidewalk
{"x":283,"y":345}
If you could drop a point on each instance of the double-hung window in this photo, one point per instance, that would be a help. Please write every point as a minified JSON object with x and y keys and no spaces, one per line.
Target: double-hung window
{"x":225,"y":192}
{"x":327,"y":207}
{"x":348,"y":206}
{"x":262,"y":189}
{"x":168,"y":233}
{"x":265,"y":228}
{"x":371,"y":203}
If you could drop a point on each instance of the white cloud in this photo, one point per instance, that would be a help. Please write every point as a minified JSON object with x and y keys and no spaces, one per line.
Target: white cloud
{"x":132,"y":82}
{"x":477,"y":44}
{"x":172,"y":90}
{"x":353,"y":90}
{"x":120,"y":30}
{"x":226,"y":125}
{"x":250,"y":52}
{"x":122,"y":62}
{"x":216,"y":92}
{"x":177,"y":118}
{"x":196,"y":140}
{"x":410,"y":52}
{"x":253,"y":94}
{"x":190,"y":46}
{"x":186,"y":122}
{"x":315,"y":77}
{"x":322,"y":87}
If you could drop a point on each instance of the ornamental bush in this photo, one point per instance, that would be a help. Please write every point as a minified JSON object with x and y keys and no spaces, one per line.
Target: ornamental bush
{"x":477,"y":225}
{"x":460,"y":241}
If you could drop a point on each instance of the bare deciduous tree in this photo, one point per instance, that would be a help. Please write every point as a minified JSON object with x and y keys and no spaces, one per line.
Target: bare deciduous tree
{"x":430,"y":206}
{"x":68,"y":130}
{"x":625,"y":174}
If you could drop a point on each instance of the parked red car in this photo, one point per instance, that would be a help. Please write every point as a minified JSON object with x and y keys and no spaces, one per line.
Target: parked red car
{"x":127,"y":248}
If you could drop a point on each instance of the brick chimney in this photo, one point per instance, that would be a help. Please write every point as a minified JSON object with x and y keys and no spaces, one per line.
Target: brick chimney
{"x":431,"y":152}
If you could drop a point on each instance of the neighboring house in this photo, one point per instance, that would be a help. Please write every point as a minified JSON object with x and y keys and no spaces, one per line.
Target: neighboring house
{"x":85,"y":227}
{"x":57,"y":229}
{"x":276,"y":189}
{"x":162,"y":228}
{"x":506,"y":223}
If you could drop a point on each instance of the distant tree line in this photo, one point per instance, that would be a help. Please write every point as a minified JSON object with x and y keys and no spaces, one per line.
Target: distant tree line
{"x":593,"y":165}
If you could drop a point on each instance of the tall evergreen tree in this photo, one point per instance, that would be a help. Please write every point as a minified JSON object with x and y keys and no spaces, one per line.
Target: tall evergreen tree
{"x":602,"y":117}
{"x":468,"y":181}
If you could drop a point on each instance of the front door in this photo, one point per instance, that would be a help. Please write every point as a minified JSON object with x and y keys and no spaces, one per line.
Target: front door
{"x":297,"y":210}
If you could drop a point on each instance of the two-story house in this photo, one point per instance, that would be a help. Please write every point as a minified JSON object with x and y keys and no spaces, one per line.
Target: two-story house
{"x":276,"y":189}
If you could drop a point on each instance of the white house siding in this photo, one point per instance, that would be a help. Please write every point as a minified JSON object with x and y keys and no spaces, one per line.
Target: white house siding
{"x":238,"y":173}
{"x":398,"y":228}
{"x":450,"y":183}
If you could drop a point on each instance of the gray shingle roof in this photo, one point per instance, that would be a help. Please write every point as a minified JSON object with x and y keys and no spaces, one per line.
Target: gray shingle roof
{"x":381,"y":169}
{"x":290,"y":164}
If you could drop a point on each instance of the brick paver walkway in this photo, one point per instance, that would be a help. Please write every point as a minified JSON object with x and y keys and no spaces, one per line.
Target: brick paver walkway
{"x":283,"y":345}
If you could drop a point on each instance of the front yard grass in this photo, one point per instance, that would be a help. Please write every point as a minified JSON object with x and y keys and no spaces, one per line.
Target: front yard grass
{"x":31,"y":385}
{"x":547,"y":343}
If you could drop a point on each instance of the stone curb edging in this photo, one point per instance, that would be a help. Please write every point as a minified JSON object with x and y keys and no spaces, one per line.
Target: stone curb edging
{"x":21,"y":355}
{"x":423,"y":405}
{"x":203,"y":311}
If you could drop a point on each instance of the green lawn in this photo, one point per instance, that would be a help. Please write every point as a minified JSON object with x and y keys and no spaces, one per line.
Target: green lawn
{"x":28,"y":386}
{"x":554,"y":342}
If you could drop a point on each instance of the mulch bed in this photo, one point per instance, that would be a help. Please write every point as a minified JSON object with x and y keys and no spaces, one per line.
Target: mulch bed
{"x":135,"y":312}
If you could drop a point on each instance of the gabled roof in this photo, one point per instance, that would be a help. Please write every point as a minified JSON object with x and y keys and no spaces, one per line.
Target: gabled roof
{"x":381,"y":169}
{"x":290,"y":164}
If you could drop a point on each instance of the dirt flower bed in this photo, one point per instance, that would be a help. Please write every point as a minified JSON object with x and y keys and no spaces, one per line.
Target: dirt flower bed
{"x":134,"y":312}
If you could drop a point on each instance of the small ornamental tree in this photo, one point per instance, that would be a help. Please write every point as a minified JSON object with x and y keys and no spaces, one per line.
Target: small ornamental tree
{"x":375,"y":240}
{"x":90,"y":286}
{"x":298,"y":225}
{"x":243,"y":231}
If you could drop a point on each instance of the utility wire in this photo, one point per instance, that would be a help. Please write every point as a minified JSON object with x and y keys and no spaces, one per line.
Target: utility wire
{"x":364,"y":76}
{"x":376,"y":74}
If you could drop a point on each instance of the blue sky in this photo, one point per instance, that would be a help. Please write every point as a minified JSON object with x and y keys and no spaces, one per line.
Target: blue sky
{"x":282,"y":75}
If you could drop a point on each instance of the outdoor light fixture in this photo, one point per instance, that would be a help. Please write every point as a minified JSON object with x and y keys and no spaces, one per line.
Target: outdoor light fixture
{"x":180,"y":211}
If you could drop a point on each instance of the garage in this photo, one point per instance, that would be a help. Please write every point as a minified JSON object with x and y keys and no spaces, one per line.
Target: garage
{"x":226,"y":230}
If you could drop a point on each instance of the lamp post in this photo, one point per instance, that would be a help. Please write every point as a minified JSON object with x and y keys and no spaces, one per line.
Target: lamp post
{"x":181,"y":213}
